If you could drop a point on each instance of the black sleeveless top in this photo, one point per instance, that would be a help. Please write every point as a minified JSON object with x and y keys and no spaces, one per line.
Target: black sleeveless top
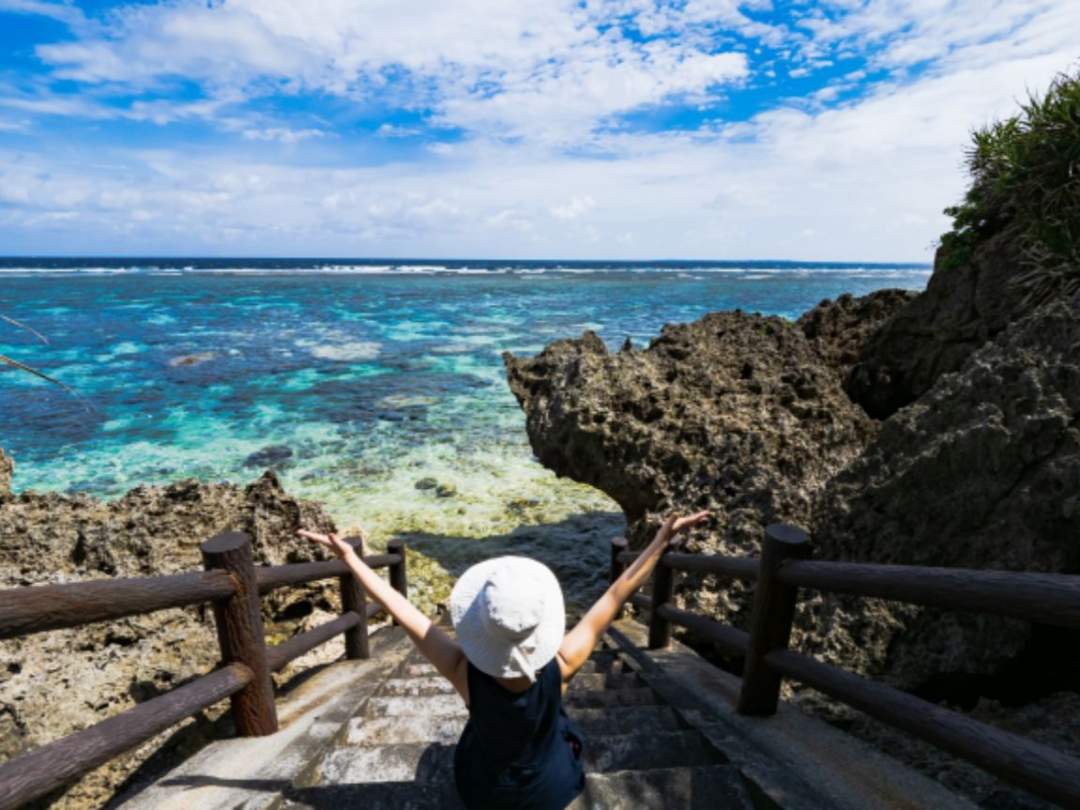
{"x":518,"y":750}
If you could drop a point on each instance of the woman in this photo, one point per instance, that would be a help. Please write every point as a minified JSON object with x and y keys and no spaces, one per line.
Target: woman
{"x":511,"y":663}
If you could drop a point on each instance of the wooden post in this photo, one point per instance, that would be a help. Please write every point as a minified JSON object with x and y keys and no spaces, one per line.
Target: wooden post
{"x":398,"y":578}
{"x":240,"y":633}
{"x":618,"y":546}
{"x":662,"y":588}
{"x":770,"y":625}
{"x":354,"y":599}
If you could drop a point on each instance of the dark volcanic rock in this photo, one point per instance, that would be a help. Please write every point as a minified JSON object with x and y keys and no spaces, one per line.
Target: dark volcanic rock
{"x":964,"y":305}
{"x":736,"y":413}
{"x":840,"y":329}
{"x":983,"y":471}
{"x":55,"y":683}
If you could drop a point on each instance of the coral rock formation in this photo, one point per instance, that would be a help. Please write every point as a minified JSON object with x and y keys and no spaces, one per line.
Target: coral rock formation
{"x":982,"y":471}
{"x":965,"y":304}
{"x":736,"y":413}
{"x":102,"y":669}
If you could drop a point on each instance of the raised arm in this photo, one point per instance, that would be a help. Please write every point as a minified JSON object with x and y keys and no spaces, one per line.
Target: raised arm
{"x":441,"y":650}
{"x":582,"y":640}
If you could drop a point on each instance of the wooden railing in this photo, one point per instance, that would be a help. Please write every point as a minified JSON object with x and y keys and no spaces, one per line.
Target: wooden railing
{"x":784,"y":566}
{"x":233,"y":584}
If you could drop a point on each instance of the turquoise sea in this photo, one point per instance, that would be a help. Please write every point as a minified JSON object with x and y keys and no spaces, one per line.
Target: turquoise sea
{"x":354,"y":379}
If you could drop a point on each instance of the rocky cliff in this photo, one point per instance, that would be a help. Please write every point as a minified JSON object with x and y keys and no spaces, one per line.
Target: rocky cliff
{"x":102,"y":669}
{"x":751,"y":417}
{"x":965,"y":304}
{"x":741,"y":414}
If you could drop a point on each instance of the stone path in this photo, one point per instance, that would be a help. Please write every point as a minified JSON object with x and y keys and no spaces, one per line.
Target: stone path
{"x":660,"y":729}
{"x":398,"y":750}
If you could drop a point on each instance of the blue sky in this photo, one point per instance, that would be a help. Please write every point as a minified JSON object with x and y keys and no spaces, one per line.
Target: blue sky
{"x":493,"y":128}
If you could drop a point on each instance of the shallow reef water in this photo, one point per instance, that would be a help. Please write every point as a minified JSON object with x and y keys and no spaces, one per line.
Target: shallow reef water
{"x":376,"y":389}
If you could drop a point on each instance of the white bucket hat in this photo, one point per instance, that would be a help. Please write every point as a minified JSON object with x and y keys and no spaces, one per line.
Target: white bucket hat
{"x":509,"y":616}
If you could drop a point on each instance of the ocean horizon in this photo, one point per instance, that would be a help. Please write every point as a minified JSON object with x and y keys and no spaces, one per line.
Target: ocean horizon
{"x":90,"y":264}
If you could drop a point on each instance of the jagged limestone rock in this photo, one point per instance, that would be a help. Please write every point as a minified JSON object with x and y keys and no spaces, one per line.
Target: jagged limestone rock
{"x":840,"y":329}
{"x":964,"y":305}
{"x":737,"y":413}
{"x":744,"y":415}
{"x":982,"y":471}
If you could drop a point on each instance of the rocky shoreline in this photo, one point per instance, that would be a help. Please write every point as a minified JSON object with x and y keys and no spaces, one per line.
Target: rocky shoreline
{"x":102,"y":669}
{"x":934,"y":429}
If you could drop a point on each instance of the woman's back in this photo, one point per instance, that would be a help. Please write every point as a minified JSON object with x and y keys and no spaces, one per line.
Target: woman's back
{"x":518,"y":750}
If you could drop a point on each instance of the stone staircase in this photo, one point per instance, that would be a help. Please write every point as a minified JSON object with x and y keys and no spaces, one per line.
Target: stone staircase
{"x":398,"y":751}
{"x":659,"y":725}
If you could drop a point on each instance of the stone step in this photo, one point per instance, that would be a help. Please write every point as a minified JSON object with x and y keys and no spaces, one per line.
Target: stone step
{"x":424,"y":685}
{"x":611,"y":698}
{"x":450,"y":703}
{"x":638,"y":751}
{"x":698,"y":788}
{"x":595,"y":681}
{"x":709,"y":787}
{"x":376,"y":795}
{"x":392,"y":762}
{"x":441,"y":705}
{"x":601,"y":661}
{"x":417,"y":685}
{"x":644,"y":719}
{"x":433,"y":762}
{"x":447,"y":729}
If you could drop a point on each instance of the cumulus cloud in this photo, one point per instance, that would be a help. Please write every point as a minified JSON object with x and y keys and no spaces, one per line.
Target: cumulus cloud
{"x":549,"y":67}
{"x":573,"y":209}
{"x":524,"y":109}
{"x":281,"y":134}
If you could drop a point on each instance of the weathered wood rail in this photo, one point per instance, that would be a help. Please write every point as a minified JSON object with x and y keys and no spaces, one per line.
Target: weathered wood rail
{"x":784,"y":567}
{"x":233,"y":584}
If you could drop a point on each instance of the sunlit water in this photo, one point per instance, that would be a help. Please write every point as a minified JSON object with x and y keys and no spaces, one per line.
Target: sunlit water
{"x":355,"y":382}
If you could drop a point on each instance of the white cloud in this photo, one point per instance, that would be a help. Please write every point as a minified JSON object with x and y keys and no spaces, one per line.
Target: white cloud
{"x":65,"y":12}
{"x":573,"y":209}
{"x":814,"y":178}
{"x":281,"y":134}
{"x":397,"y":131}
{"x":545,"y":69}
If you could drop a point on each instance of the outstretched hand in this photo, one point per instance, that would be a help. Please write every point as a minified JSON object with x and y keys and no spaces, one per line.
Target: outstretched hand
{"x":339,"y":547}
{"x":674,"y":526}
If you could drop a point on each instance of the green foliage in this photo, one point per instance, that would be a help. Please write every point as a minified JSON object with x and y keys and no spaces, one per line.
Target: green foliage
{"x":1025,"y":174}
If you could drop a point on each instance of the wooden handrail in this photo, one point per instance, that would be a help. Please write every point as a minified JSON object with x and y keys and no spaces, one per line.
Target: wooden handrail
{"x":745,"y":568}
{"x":731,"y":640}
{"x":278,"y":576}
{"x":1052,"y":599}
{"x":280,"y":655}
{"x":44,"y":769}
{"x":232,"y":584}
{"x":1024,"y":762}
{"x":40,"y":608}
{"x":37,"y":608}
